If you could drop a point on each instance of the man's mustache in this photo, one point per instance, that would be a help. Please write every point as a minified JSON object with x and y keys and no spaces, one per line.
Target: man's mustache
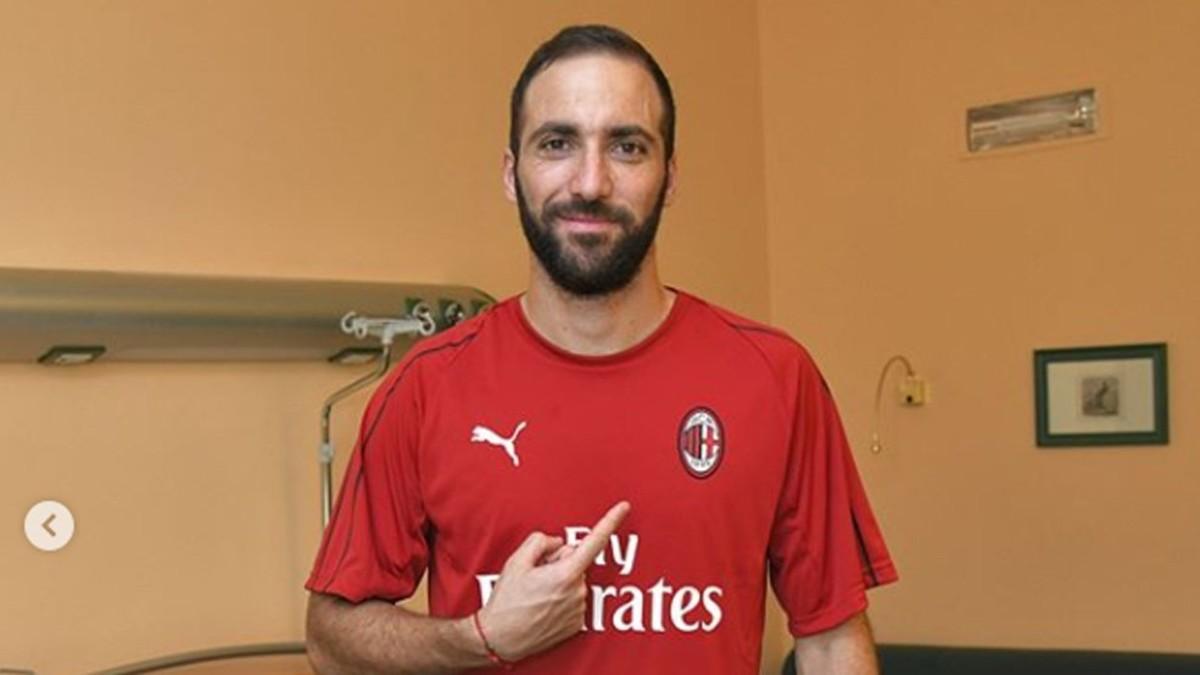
{"x":594,"y":209}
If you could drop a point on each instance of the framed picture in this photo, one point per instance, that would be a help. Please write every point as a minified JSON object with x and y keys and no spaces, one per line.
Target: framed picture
{"x":1101,"y":395}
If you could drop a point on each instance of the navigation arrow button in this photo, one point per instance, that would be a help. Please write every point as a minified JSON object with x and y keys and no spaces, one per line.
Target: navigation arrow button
{"x":38,"y":530}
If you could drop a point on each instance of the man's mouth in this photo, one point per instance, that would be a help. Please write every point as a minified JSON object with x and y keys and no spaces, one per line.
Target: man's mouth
{"x":582,"y":223}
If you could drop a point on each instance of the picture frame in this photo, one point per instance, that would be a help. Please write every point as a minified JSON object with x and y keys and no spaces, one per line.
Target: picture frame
{"x":1090,"y":396}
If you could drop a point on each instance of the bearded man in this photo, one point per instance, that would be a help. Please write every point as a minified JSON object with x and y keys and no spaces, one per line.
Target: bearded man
{"x":710,"y":443}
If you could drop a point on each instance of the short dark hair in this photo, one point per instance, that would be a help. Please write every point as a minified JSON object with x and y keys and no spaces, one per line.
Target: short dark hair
{"x":590,"y":39}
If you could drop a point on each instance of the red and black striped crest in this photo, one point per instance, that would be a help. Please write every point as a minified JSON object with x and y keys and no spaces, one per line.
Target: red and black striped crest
{"x":701,"y":442}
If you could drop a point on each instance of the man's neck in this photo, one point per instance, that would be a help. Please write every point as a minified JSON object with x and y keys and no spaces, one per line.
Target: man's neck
{"x":602,"y":325}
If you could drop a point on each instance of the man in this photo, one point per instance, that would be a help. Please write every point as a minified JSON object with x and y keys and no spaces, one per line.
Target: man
{"x":709,"y":443}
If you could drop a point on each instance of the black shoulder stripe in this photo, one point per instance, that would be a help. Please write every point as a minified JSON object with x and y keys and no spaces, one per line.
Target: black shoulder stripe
{"x":862,"y":549}
{"x":362,"y":450}
{"x":760,"y":329}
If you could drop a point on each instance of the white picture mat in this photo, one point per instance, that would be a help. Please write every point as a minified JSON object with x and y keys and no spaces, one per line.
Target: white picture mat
{"x":1064,"y":384}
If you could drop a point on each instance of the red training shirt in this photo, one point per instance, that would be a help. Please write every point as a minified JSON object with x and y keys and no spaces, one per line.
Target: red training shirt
{"x":720,"y":432}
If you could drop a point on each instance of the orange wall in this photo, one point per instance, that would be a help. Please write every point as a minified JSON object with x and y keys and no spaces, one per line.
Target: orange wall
{"x":300,"y":139}
{"x":885,"y":238}
{"x":363,"y":142}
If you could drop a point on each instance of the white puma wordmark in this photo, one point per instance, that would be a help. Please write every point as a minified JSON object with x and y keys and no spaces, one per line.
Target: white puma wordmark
{"x":482,"y":434}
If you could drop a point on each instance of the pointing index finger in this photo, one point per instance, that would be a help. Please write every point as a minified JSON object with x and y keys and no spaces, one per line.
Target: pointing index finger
{"x":591,"y":546}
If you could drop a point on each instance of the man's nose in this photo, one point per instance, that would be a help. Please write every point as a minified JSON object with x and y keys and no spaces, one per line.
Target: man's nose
{"x":593,"y":177}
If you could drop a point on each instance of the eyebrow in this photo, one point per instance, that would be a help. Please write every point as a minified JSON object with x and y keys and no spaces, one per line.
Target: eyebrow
{"x":557,"y":128}
{"x":630,"y":130}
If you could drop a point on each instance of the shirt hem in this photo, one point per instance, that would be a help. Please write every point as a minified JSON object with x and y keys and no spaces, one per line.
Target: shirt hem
{"x":830,"y":618}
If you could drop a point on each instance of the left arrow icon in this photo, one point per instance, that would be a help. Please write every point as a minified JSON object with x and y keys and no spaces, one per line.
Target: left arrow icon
{"x":37,"y":525}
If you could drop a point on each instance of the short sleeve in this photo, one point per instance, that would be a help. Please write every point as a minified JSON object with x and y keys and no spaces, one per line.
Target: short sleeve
{"x":826,"y":548}
{"x":375,"y":544}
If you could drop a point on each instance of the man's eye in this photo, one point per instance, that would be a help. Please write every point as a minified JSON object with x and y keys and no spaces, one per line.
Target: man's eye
{"x":630,"y":149}
{"x":554,"y":144}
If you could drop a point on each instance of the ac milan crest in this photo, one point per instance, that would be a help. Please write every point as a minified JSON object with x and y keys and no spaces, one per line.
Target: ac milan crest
{"x":701,"y":442}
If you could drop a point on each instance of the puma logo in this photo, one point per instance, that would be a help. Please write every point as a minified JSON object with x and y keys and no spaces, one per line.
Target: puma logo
{"x":482,"y":434}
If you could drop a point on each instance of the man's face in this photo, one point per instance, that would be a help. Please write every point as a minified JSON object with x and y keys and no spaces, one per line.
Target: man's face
{"x":591,"y":178}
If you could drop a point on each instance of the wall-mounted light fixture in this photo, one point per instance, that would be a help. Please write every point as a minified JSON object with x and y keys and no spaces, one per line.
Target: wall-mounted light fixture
{"x":356,"y":356}
{"x":1030,"y":120}
{"x":913,"y":391}
{"x":162,"y":317}
{"x":71,"y":355}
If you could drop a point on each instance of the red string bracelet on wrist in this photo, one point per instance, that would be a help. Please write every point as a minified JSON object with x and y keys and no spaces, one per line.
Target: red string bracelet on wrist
{"x":491,"y":653}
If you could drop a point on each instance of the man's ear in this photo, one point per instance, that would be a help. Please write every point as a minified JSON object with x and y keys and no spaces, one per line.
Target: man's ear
{"x":672,"y":174}
{"x":510,"y":175}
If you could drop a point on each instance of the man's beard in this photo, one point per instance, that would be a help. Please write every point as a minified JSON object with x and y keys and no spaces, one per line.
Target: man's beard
{"x":588,"y":270}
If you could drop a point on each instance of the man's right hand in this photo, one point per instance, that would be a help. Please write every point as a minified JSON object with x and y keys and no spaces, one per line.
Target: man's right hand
{"x":541,"y":595}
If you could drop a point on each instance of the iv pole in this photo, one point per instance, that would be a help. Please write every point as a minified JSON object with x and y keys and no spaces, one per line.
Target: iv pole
{"x":421,"y":323}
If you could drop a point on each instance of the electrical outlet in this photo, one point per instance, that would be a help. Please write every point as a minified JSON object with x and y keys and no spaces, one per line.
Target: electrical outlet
{"x":914,"y":391}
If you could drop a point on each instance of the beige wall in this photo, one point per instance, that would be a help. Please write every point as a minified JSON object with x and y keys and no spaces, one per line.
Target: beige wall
{"x":363,"y":142}
{"x":884,"y":238}
{"x":329,"y":140}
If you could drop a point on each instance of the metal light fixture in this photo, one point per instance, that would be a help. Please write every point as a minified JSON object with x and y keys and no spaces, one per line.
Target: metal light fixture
{"x":1073,"y":113}
{"x":67,"y":355}
{"x":356,"y":356}
{"x":161,"y":317}
{"x":913,"y":391}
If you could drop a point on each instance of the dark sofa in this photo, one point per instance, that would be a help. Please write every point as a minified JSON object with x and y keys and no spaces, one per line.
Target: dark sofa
{"x":935,"y":660}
